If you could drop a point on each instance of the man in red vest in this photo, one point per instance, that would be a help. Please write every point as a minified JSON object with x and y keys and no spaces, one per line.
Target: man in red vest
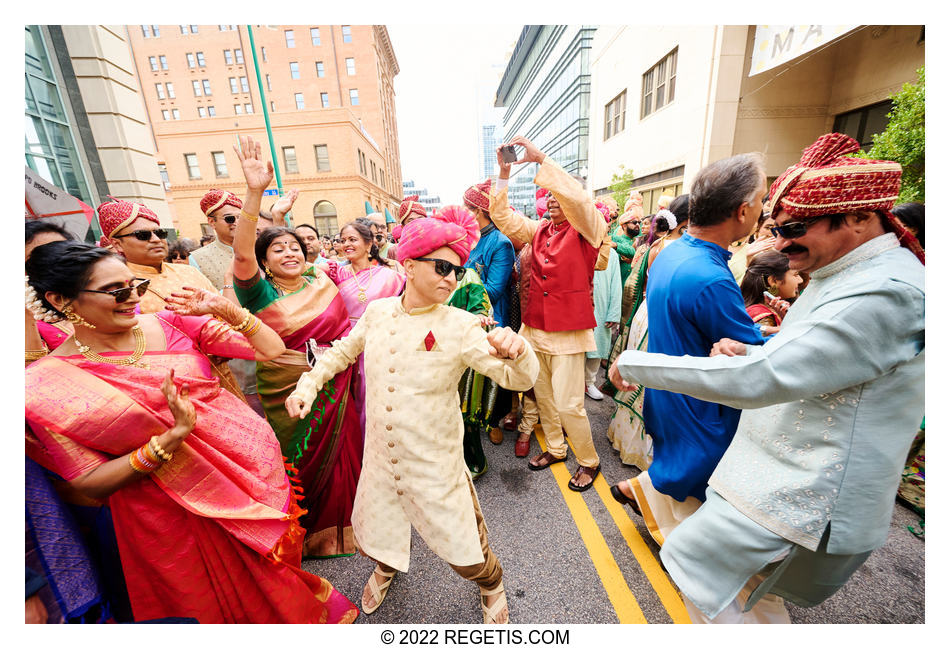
{"x":558,"y":319}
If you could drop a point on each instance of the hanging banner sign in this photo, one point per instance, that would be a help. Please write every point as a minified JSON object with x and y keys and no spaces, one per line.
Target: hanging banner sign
{"x":778,"y":44}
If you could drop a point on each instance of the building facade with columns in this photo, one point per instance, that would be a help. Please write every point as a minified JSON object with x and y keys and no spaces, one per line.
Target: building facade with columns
{"x":87,"y":131}
{"x":328,"y":91}
{"x":667,"y":100}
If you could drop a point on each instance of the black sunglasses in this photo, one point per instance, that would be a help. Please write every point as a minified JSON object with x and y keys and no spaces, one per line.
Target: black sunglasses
{"x":123,"y":294}
{"x":229,"y":219}
{"x":795,"y":229}
{"x":145,"y":235}
{"x":443,"y":267}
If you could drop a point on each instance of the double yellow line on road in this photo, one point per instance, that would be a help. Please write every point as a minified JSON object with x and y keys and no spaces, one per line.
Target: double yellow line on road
{"x":621,"y":597}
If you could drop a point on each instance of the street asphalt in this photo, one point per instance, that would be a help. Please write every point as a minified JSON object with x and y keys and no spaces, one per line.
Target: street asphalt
{"x":588,"y":563}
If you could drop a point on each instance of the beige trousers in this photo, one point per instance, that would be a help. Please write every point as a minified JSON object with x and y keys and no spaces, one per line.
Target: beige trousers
{"x":591,"y":365}
{"x":529,"y":413}
{"x":559,"y":391}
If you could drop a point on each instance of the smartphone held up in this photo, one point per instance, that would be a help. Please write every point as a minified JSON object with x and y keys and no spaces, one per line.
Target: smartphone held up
{"x":508,"y":153}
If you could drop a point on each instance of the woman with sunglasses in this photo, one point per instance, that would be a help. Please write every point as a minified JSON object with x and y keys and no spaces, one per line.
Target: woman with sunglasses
{"x":414,"y":475}
{"x":273,"y":279}
{"x":128,"y":411}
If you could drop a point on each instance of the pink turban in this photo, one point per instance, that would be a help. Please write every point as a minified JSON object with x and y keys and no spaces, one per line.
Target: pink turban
{"x":453,"y":226}
{"x":604,"y":210}
{"x":116,"y":214}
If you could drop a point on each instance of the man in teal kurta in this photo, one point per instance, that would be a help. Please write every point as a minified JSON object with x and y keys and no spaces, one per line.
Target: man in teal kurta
{"x":832,"y":400}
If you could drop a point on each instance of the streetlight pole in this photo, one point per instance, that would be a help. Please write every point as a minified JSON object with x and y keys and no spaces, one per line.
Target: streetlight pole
{"x":270,"y":135}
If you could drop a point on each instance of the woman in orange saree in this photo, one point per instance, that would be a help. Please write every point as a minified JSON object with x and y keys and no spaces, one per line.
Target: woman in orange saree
{"x":211,"y":530}
{"x":306,"y":310}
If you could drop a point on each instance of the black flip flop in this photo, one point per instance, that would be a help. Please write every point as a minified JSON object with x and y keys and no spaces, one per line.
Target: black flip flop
{"x":621,"y":498}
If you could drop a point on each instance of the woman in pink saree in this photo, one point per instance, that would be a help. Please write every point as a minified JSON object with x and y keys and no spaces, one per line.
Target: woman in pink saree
{"x":204,"y":513}
{"x":365,"y":278}
{"x":307,"y":312}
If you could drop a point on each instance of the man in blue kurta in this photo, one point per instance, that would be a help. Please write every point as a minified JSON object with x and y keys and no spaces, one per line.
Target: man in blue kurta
{"x":692,"y":302}
{"x":806,"y":490}
{"x":493,"y":256}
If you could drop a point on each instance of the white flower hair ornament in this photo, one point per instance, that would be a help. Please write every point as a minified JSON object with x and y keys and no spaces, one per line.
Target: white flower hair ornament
{"x":36,"y":307}
{"x":669,"y":216}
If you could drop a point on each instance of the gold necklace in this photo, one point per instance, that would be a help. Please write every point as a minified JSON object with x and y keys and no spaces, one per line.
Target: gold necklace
{"x":288,"y":289}
{"x":135,"y":359}
{"x":362,"y":290}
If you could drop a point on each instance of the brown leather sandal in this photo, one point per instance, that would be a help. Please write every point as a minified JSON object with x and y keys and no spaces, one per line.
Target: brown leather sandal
{"x":547,"y":459}
{"x":591,"y":472}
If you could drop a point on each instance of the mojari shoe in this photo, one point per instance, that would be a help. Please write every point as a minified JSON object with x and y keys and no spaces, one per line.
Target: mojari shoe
{"x":496,"y":436}
{"x":522,"y":448}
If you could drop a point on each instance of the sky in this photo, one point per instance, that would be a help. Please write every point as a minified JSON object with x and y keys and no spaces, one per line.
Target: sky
{"x":442,"y":70}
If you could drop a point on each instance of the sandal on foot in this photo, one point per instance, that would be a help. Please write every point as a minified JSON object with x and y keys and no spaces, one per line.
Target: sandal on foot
{"x":490,"y":615}
{"x":622,"y":498}
{"x":584,"y":470}
{"x":548,"y":460}
{"x":509,"y":421}
{"x":378,"y":591}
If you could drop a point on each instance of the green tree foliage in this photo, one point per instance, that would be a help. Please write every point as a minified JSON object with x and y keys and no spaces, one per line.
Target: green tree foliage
{"x":620,"y":184}
{"x":903,"y":139}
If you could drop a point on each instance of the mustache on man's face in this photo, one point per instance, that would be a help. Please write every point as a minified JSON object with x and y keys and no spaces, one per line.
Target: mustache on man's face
{"x":793,"y":249}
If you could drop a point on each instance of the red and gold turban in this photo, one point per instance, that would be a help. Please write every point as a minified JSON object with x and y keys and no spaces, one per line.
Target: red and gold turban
{"x":453,"y":226}
{"x":216,"y":198}
{"x":477,"y":196}
{"x":410,"y":205}
{"x":826,"y":182}
{"x":115,"y":215}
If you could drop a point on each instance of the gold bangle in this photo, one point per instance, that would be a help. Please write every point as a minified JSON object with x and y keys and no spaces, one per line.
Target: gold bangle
{"x":163,"y":455}
{"x":35,"y":354}
{"x":241,"y":327}
{"x":254,"y":327}
{"x":150,"y":454}
{"x":252,"y":219}
{"x":138,"y":465}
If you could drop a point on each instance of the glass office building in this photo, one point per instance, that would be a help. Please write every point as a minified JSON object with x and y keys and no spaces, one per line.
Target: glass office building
{"x":545,"y":91}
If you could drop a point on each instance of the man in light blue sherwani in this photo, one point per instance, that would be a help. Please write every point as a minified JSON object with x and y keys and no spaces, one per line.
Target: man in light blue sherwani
{"x":806,"y":489}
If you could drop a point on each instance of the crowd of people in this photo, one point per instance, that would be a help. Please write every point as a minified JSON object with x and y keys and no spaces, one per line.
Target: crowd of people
{"x":202,"y":418}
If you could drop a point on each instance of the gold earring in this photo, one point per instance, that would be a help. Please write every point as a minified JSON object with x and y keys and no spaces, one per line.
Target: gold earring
{"x":773,"y":289}
{"x":267,"y":272}
{"x":76,"y":319}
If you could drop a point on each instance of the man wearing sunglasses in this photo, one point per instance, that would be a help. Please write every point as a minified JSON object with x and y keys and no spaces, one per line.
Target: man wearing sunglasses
{"x":414,"y":474}
{"x":380,"y":232}
{"x":222,"y":209}
{"x":135,"y":233}
{"x":832,"y":402}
